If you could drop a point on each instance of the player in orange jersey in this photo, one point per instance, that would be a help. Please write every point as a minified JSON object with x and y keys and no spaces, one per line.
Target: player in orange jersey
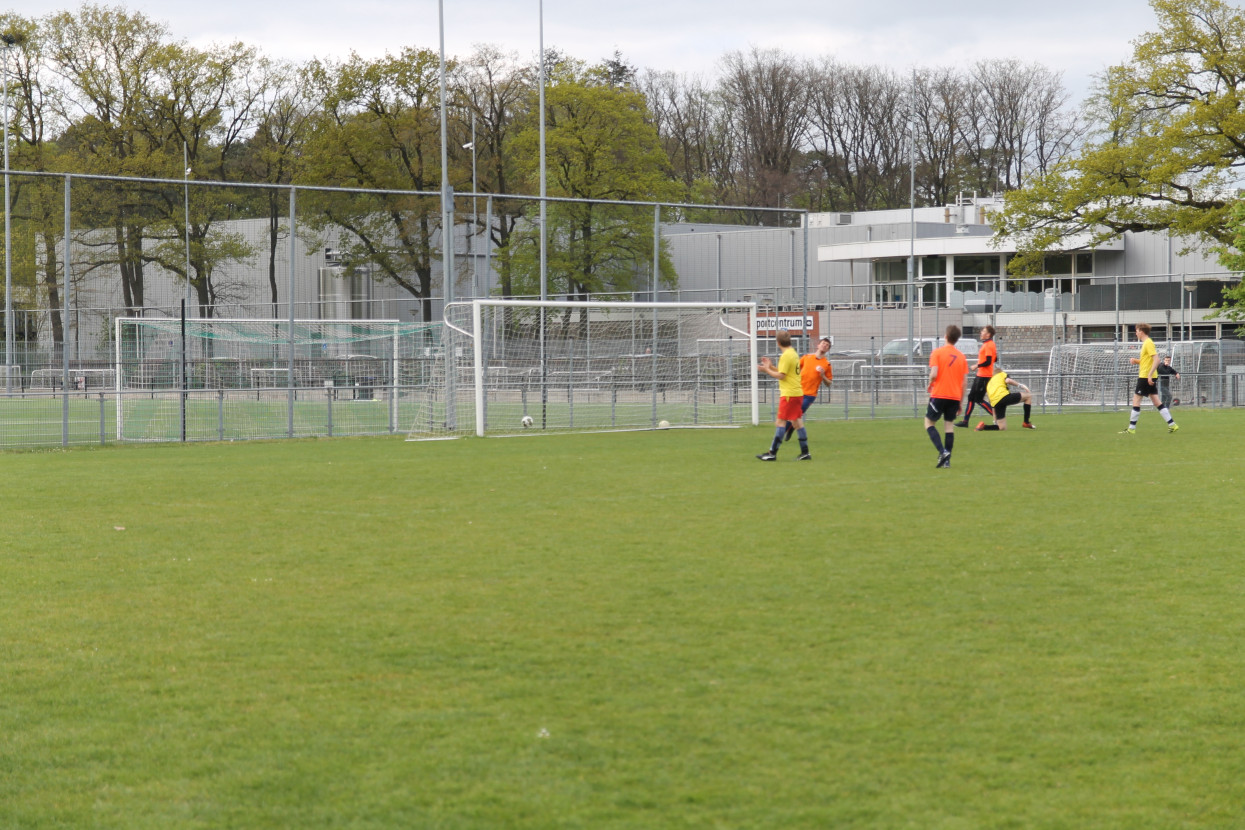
{"x":987,"y":359}
{"x":815,"y":370}
{"x":947,"y":368}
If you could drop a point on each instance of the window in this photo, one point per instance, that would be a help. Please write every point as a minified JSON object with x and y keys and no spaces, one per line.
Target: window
{"x":1084,"y":263}
{"x":976,"y":273}
{"x":1059,"y":263}
{"x":933,"y":266}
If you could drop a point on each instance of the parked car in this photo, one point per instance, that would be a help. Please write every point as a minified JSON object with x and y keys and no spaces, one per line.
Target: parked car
{"x":896,"y":351}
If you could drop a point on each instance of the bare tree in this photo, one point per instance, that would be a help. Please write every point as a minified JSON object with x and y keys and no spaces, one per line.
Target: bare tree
{"x":766,"y":94}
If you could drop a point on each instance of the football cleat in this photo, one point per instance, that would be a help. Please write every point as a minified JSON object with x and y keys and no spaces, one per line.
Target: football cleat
{"x":1173,"y":427}
{"x":981,"y":425}
{"x":944,"y":460}
{"x":767,"y":456}
{"x":804,"y":457}
{"x":1027,"y":425}
{"x":962,"y":424}
{"x":1129,"y":431}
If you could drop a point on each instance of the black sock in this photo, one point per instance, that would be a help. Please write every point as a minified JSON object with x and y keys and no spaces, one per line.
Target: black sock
{"x":933,"y":436}
{"x":1028,"y":412}
{"x":950,"y":440}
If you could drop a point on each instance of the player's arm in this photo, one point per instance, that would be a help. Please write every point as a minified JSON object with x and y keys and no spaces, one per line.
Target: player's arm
{"x":767,"y":366}
{"x":933,"y":375}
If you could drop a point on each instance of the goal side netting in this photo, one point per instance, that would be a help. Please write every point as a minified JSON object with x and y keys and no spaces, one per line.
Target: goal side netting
{"x":209,"y":378}
{"x":516,"y":367}
{"x":1102,"y":374}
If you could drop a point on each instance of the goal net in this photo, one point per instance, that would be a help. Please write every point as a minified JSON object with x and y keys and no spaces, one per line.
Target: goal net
{"x":216,"y":379}
{"x":516,"y":366}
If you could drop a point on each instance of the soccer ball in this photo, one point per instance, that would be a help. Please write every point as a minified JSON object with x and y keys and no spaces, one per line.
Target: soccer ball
{"x":663,"y":425}
{"x":526,"y":421}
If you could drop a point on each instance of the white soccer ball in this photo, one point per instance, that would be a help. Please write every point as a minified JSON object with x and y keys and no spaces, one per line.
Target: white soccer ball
{"x":663,"y":425}
{"x":526,"y":421}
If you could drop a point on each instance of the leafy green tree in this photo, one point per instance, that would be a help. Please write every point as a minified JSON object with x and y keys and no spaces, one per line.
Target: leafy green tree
{"x":600,"y":145}
{"x":379,"y":128}
{"x":1169,"y":149}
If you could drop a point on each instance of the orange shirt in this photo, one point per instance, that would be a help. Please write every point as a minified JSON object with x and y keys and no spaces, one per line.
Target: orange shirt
{"x":810,"y":378}
{"x":988,"y":350}
{"x":952,"y":367}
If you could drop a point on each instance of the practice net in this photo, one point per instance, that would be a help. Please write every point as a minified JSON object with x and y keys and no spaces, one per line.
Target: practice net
{"x":519,"y":367}
{"x":210,"y":379}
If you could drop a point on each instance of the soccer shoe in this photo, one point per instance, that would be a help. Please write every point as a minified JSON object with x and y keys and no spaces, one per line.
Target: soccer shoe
{"x":1173,"y":427}
{"x":961,"y":424}
{"x":1129,"y":431}
{"x":981,"y":425}
{"x":767,"y":456}
{"x":1027,"y":425}
{"x":804,"y":457}
{"x":944,"y":460}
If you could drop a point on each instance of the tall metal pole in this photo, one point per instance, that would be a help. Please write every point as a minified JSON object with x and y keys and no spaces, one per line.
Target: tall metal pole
{"x":447,"y":225}
{"x":475,"y":213}
{"x":544,"y":184}
{"x":8,"y":239}
{"x":544,"y":215}
{"x":911,"y":211}
{"x":186,"y":214}
{"x":67,"y":257}
{"x":447,"y":229}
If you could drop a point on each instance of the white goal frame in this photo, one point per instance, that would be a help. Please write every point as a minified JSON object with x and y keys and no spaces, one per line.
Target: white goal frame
{"x":477,"y":342}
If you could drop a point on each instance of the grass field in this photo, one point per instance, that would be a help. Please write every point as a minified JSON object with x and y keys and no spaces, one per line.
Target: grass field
{"x":640,"y":630}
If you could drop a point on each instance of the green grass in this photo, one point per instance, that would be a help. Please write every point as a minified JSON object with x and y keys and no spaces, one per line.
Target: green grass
{"x":630,"y":631}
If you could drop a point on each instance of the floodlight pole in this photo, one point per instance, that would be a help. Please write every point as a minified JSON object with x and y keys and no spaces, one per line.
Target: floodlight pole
{"x":447,"y":222}
{"x":544,"y":192}
{"x":911,"y":210}
{"x":9,"y":344}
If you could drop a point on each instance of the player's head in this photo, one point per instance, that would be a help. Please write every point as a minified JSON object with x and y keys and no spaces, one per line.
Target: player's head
{"x":823,"y":345}
{"x":987,"y":333}
{"x":783,"y":337}
{"x":953,"y":334}
{"x":1143,"y":329}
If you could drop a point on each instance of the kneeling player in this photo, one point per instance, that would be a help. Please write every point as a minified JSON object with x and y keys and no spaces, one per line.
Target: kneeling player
{"x":1001,"y":398}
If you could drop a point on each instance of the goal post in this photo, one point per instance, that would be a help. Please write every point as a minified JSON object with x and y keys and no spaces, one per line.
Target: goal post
{"x":582,"y":366}
{"x":212,"y":378}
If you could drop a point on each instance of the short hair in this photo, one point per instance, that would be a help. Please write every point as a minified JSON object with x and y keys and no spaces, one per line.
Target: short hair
{"x":953,"y":334}
{"x":783,"y":337}
{"x":826,"y":340}
{"x":989,"y":329}
{"x":1143,"y":327}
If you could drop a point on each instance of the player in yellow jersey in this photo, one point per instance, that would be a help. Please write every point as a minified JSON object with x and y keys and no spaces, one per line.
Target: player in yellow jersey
{"x":1147,"y":373}
{"x":790,"y":397}
{"x":1000,"y":394}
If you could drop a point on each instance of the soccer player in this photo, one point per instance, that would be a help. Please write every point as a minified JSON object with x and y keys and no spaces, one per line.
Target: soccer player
{"x":987,"y":357}
{"x":815,"y":370}
{"x":1001,"y":398}
{"x":790,"y":397}
{"x":947,"y":368}
{"x":1147,"y":371}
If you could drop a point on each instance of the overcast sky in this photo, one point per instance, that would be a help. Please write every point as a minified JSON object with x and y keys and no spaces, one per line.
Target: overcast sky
{"x":1076,"y":37}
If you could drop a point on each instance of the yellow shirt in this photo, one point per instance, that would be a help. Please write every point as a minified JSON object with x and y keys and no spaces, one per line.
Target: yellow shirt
{"x":789,"y":363}
{"x":996,"y":389}
{"x":1147,"y":358}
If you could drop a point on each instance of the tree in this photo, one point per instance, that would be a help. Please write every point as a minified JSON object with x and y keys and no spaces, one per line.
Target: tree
{"x":496,"y":90}
{"x":767,"y":93}
{"x":600,"y":145}
{"x":1167,"y":156}
{"x":379,"y":128}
